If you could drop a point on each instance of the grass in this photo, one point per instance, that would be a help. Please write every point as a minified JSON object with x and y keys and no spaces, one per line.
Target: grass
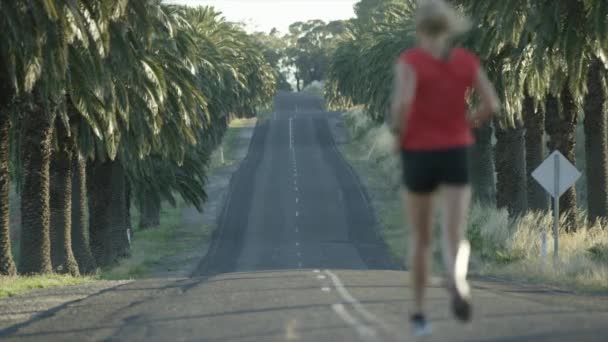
{"x":265,"y":114}
{"x":149,"y":247}
{"x":11,"y":286}
{"x":502,"y":247}
{"x":229,"y":143}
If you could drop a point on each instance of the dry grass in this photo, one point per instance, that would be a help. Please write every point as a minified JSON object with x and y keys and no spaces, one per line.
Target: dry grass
{"x":502,"y":246}
{"x":224,"y":154}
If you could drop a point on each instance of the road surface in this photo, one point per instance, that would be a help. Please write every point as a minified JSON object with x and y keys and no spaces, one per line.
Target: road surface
{"x":296,"y":258}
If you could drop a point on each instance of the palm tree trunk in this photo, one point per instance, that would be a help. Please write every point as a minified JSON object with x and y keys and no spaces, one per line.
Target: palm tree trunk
{"x":596,"y":143}
{"x":62,"y":256}
{"x":561,"y":130}
{"x":107,"y":217}
{"x":511,"y":169}
{"x":118,"y":238}
{"x":298,"y":88}
{"x":482,"y":167}
{"x":150,"y":212}
{"x":35,"y":211}
{"x":128,"y":196}
{"x":80,"y":246}
{"x":99,"y":179}
{"x":7,"y":265}
{"x":534,"y":122}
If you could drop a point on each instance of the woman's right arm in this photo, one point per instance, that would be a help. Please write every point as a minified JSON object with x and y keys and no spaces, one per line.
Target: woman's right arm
{"x":404,"y":90}
{"x":490,"y":103}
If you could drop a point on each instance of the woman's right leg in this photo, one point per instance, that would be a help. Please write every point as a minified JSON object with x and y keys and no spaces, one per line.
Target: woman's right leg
{"x":419,"y":210}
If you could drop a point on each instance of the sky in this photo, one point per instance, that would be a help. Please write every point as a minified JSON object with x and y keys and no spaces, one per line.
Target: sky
{"x":264,"y":15}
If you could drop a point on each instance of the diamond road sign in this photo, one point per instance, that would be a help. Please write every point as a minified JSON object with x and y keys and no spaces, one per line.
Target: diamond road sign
{"x":555,"y":165}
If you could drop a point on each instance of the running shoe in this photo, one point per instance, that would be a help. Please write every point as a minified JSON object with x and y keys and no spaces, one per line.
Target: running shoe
{"x":420,"y":326}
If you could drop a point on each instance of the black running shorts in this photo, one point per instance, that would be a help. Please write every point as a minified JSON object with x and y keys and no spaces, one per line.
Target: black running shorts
{"x":424,"y":171}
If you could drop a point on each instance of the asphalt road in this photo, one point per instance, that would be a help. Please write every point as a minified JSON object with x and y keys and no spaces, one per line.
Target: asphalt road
{"x":296,"y":258}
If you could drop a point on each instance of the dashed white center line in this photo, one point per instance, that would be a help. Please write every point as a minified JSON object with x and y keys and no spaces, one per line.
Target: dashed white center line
{"x":297,"y":214}
{"x":297,"y":244}
{"x":290,"y":134}
{"x":321,"y":277}
{"x":326,"y":289}
{"x":299,"y":265}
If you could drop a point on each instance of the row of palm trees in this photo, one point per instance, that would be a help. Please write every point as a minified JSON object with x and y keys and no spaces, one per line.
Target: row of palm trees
{"x":549,"y":62}
{"x":108,"y":103}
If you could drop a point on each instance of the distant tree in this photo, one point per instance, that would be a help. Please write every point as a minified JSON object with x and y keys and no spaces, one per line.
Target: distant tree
{"x":274,"y":49}
{"x":311,"y":44}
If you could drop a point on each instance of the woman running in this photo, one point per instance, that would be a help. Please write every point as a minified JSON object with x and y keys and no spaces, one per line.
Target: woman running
{"x":429,"y":116}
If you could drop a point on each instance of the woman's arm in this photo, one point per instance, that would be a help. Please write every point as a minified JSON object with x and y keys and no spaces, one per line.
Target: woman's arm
{"x":490,"y":103}
{"x":404,"y":90}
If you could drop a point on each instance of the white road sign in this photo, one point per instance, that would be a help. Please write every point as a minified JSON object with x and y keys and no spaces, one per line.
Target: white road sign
{"x":547,"y":171}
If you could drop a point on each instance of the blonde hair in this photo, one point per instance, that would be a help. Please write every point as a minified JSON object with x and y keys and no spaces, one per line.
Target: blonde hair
{"x":436,"y":17}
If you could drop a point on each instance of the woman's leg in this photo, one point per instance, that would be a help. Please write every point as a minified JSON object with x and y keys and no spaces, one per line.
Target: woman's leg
{"x":455,"y":200}
{"x":419,"y":211}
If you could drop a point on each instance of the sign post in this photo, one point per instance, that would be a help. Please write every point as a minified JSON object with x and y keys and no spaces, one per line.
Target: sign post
{"x":556,"y":175}
{"x":556,"y":196}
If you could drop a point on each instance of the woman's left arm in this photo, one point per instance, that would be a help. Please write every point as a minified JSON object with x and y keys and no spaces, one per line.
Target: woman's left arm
{"x":404,"y":90}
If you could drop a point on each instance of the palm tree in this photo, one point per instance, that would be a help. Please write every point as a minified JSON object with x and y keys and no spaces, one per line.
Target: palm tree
{"x":596,"y":141}
{"x":80,"y":243}
{"x":62,"y":256}
{"x":534,"y":122}
{"x":7,"y":265}
{"x":561,"y":126}
{"x":11,"y":83}
{"x":44,"y":34}
{"x":483,"y":179}
{"x":510,"y":168}
{"x":35,"y":209}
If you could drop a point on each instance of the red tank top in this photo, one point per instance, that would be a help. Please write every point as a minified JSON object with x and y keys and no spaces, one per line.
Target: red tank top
{"x":437,"y":118}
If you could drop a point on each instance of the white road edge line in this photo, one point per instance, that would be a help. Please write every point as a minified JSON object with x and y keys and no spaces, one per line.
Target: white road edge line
{"x":354,"y":302}
{"x":362,"y":329}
